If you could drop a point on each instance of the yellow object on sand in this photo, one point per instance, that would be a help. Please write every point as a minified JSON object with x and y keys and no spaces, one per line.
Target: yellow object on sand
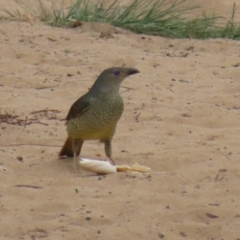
{"x":134,"y":168}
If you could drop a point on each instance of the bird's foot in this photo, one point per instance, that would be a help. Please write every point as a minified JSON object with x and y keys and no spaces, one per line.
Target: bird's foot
{"x":111,"y":161}
{"x":75,"y":164}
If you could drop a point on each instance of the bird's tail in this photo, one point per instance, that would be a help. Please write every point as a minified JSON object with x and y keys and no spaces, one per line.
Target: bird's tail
{"x":67,"y":149}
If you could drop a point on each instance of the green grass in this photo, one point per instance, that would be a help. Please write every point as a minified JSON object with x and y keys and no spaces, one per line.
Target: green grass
{"x":160,"y":17}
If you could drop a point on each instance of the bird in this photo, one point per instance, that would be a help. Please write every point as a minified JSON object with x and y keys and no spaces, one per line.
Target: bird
{"x":94,"y":116}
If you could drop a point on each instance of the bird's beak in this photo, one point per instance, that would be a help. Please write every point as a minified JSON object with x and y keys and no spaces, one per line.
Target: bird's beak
{"x":132,"y":71}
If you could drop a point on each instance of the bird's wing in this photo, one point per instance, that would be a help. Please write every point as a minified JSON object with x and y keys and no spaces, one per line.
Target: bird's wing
{"x":79,"y":107}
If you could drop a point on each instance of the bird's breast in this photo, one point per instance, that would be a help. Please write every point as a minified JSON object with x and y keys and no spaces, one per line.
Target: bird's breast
{"x":99,"y":121}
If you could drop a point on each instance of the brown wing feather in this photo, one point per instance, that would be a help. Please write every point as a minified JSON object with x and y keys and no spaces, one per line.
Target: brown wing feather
{"x":78,"y":108}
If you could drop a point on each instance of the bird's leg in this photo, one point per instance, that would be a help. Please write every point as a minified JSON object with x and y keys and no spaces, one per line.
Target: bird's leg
{"x":108,"y":150}
{"x":76,"y":147}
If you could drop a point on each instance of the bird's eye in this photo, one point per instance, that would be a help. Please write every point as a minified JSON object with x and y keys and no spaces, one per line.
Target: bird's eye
{"x":116,"y":72}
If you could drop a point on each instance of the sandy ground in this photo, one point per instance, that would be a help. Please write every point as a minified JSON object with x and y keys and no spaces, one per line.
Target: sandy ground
{"x":181,"y":119}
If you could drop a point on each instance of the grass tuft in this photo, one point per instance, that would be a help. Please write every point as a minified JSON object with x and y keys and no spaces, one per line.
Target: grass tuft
{"x":159,"y":17}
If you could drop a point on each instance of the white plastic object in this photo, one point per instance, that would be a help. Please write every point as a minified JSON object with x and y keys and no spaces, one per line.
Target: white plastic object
{"x":101,"y":167}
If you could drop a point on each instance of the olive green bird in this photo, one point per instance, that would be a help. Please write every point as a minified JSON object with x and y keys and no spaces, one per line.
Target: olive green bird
{"x":94,"y":116}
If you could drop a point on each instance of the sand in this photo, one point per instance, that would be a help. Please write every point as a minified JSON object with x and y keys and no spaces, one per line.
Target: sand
{"x":181,"y":119}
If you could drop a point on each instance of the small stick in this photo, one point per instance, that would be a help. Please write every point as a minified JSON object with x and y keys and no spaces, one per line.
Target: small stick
{"x":29,"y":144}
{"x":28,"y":186}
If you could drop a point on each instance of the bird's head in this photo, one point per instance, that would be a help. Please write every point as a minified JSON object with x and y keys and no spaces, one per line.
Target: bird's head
{"x":111,"y":78}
